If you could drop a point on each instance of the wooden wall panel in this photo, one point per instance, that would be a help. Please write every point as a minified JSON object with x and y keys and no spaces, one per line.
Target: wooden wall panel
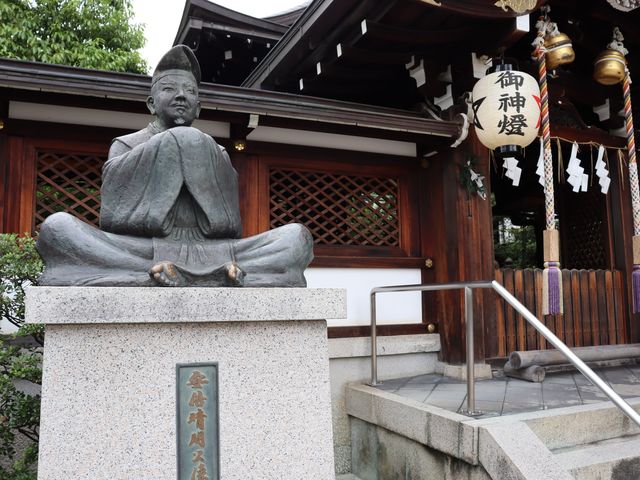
{"x":19,"y":167}
{"x":622,"y":226}
{"x":457,"y":234}
{"x":593,"y":310}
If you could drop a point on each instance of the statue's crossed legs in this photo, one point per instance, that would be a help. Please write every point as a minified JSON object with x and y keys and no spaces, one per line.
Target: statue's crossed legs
{"x":80,"y":254}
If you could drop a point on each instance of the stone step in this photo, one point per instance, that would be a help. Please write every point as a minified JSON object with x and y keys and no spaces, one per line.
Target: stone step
{"x":614,"y":459}
{"x":582,"y":425}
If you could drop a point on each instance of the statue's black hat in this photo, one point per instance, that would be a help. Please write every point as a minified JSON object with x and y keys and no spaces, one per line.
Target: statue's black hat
{"x":179,"y":57}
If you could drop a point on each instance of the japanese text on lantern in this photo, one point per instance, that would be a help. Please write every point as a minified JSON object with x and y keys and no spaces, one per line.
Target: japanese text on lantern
{"x":197,"y":422}
{"x":511,"y":104}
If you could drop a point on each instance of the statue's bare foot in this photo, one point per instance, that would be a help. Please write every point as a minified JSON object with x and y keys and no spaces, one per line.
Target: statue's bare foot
{"x":167,"y":275}
{"x":235,"y":275}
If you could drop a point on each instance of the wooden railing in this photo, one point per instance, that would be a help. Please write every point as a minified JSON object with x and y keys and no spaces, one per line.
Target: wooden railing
{"x":594,"y":313}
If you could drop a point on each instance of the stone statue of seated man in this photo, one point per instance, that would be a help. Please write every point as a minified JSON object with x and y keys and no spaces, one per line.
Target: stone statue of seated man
{"x":170,"y":212}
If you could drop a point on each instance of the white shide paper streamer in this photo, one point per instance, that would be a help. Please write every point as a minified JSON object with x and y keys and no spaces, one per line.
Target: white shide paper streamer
{"x":577,"y":178}
{"x":513,"y":171}
{"x":602,"y":172}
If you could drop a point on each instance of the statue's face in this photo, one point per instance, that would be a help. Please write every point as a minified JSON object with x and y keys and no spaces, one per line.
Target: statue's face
{"x":174,"y":100}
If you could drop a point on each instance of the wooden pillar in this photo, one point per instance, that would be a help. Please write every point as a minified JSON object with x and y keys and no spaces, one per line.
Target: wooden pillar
{"x":19,"y":185}
{"x":248,"y":185}
{"x":457,"y":233}
{"x":4,"y":154}
{"x":622,"y":223}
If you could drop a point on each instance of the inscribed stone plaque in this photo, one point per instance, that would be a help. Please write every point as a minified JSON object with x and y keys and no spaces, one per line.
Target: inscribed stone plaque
{"x":197,"y":417}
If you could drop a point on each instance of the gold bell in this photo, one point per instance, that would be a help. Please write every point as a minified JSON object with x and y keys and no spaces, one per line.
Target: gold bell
{"x":609,"y":67}
{"x":559,"y":50}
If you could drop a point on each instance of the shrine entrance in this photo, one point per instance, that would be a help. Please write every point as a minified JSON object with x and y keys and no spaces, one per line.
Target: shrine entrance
{"x":592,"y":256}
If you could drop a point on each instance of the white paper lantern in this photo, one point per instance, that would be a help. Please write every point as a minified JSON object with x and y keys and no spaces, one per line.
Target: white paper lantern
{"x":506,"y":106}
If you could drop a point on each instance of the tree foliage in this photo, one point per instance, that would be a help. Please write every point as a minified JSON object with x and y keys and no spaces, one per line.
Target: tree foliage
{"x":20,"y":361}
{"x":514,"y":246}
{"x":82,"y":33}
{"x":20,"y":265}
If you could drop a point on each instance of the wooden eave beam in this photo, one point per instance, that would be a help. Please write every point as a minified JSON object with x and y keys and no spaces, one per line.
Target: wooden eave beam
{"x":286,"y":19}
{"x":365,"y":57}
{"x":583,"y":90}
{"x":399,"y":92}
{"x":209,"y":11}
{"x":315,"y":86}
{"x":205,"y":11}
{"x":589,"y":134}
{"x":321,"y":45}
{"x":357,"y":75}
{"x":604,"y":16}
{"x":307,"y":41}
{"x":477,"y":8}
{"x":515,"y":31}
{"x":338,"y":67}
{"x":51,"y":79}
{"x":280,"y":58}
{"x":353,"y":130}
{"x":256,"y":35}
{"x":193,"y":28}
{"x":415,"y":38}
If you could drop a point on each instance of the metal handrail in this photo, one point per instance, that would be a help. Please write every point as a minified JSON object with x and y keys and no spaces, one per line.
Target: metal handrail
{"x":521,"y":309}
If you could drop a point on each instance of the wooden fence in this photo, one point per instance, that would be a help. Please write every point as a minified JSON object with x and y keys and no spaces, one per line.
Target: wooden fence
{"x":594,"y":312}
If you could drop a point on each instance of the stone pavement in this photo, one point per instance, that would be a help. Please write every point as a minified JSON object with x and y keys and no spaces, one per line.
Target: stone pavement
{"x":504,"y":395}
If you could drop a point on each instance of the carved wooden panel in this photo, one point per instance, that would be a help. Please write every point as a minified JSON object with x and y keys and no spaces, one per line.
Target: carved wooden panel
{"x":338,"y":209}
{"x":584,"y":229}
{"x":68,"y":183}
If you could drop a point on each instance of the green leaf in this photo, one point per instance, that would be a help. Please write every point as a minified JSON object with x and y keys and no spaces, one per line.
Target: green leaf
{"x":20,"y":359}
{"x":83,"y":33}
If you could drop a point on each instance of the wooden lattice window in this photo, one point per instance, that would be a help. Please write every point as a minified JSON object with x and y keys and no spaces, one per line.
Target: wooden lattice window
{"x":338,"y":209}
{"x":67,"y":182}
{"x":585,"y":231}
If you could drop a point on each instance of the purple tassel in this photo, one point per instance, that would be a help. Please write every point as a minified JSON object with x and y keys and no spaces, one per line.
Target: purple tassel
{"x":552,"y":289}
{"x":635,"y":285}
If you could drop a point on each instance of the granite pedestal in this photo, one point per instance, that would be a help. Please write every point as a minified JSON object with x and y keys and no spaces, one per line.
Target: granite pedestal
{"x":109,"y":381}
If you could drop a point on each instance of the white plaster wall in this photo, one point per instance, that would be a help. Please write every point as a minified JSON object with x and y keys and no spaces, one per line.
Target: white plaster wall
{"x":100,"y":118}
{"x":135,"y":121}
{"x":332,"y":140}
{"x":392,"y":308}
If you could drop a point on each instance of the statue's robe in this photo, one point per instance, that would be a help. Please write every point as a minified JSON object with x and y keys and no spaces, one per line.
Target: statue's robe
{"x":169,"y":196}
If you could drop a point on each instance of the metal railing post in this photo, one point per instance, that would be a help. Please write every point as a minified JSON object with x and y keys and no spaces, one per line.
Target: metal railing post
{"x":471,"y":380}
{"x":520,"y":308}
{"x":374,"y":342}
{"x":566,"y":351}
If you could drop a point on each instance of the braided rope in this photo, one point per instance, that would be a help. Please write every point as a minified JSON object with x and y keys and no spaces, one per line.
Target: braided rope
{"x":549,"y":201}
{"x":551,"y":275}
{"x":631,"y":148}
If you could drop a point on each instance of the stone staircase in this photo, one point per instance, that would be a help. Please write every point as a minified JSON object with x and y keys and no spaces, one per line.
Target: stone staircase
{"x":596,"y":442}
{"x":615,"y":459}
{"x":395,"y":438}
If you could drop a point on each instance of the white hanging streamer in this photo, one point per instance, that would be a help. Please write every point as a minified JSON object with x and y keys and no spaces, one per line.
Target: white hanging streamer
{"x":513,"y":171}
{"x":577,"y":178}
{"x":602,"y":172}
{"x":540,"y":165}
{"x":478,"y":180}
